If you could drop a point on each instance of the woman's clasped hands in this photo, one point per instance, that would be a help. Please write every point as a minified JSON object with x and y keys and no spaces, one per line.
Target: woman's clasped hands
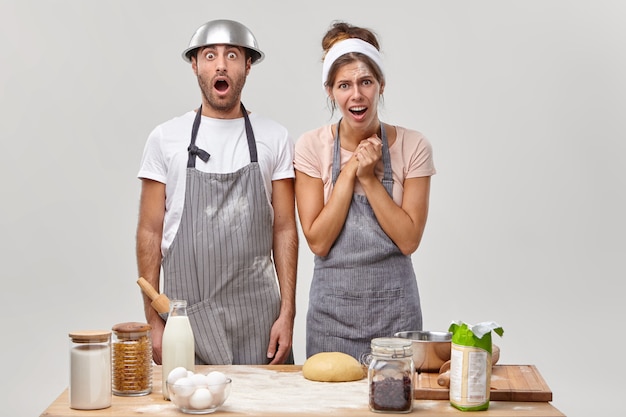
{"x":368,"y":152}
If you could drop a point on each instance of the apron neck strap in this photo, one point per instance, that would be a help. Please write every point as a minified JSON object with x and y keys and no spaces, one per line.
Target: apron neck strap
{"x":249,"y":135}
{"x":204,"y":155}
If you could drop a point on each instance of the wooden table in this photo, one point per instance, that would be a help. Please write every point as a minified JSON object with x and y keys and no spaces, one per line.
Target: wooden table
{"x":282,"y":391}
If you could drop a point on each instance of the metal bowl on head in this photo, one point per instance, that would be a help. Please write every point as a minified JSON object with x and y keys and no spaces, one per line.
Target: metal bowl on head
{"x":430,"y":349}
{"x":224,"y":31}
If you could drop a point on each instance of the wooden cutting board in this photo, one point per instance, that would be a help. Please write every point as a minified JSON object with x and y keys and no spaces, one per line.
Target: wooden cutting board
{"x":508,"y":383}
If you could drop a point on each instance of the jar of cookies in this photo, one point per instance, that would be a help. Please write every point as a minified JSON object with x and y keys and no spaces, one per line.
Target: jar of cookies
{"x":390,"y":375}
{"x":131,"y":359}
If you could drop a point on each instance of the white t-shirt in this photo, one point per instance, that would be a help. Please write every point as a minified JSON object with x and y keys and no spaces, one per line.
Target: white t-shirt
{"x":165,"y":157}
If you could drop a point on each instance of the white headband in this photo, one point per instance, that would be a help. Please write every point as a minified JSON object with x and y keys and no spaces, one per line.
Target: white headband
{"x":347,"y":46}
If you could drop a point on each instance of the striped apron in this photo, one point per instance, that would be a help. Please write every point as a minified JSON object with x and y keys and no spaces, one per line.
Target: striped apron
{"x":365,"y":287}
{"x":220,"y":260}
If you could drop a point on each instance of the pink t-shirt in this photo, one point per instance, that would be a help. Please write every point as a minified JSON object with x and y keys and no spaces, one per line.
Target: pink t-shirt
{"x":411,"y":157}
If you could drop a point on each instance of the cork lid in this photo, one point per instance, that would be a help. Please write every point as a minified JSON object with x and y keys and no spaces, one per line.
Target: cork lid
{"x":131,"y":327}
{"x":87,"y":336}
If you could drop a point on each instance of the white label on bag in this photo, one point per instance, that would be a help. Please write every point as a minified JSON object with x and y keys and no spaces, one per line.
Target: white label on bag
{"x":470,"y":376}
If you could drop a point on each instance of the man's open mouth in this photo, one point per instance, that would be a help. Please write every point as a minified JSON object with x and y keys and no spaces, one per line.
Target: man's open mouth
{"x":221,"y":85}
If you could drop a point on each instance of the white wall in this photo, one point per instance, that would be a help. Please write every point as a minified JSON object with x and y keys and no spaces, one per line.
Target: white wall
{"x":524,"y":103}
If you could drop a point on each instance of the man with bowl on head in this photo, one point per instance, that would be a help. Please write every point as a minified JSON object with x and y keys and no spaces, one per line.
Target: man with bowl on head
{"x":217,"y":211}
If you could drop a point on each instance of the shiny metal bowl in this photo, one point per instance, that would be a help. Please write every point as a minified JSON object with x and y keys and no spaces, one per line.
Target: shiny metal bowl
{"x":430,"y":349}
{"x":227,"y":32}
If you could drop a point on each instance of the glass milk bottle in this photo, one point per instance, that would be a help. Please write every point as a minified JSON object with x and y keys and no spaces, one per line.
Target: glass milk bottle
{"x":178,"y":342}
{"x":90,"y":369}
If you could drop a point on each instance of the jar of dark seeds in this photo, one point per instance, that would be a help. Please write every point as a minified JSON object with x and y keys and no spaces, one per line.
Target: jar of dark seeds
{"x":390,"y":375}
{"x":131,"y":359}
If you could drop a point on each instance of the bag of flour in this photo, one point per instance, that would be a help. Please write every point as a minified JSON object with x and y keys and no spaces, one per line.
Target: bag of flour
{"x":470,"y":365}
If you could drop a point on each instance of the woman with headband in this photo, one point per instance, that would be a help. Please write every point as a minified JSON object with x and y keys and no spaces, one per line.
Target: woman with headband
{"x":362,"y":191}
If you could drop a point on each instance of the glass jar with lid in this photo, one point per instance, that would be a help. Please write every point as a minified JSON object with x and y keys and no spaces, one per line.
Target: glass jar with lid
{"x":132,"y":359}
{"x":90,"y":369}
{"x":390,"y":375}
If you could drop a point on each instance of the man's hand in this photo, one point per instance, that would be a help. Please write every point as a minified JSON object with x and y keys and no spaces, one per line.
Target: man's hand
{"x":281,"y":338}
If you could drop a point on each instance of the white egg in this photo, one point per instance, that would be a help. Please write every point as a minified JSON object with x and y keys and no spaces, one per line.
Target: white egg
{"x":215,"y":377}
{"x":199,"y":380}
{"x":182,"y":402}
{"x":175,"y":374}
{"x":184,"y":387}
{"x":216,"y":380}
{"x":201,"y":399}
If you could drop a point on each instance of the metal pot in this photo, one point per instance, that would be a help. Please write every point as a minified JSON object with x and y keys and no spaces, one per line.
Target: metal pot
{"x":430,"y":349}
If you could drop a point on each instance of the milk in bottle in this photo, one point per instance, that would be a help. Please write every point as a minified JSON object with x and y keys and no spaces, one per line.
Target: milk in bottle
{"x":178,"y":342}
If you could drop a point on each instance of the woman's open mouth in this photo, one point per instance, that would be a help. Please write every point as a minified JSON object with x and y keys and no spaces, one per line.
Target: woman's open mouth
{"x":358,"y":111}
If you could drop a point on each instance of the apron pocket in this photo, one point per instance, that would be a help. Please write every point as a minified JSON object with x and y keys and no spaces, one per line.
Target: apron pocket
{"x":364,"y":314}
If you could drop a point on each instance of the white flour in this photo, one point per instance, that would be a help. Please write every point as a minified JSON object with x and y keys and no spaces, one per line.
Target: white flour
{"x":256,"y":389}
{"x":155,"y":409}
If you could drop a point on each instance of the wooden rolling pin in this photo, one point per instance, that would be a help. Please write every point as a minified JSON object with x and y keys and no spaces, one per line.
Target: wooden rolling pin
{"x":443,"y":379}
{"x":160,"y":302}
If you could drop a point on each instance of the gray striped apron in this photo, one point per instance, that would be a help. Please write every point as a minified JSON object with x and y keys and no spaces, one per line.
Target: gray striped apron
{"x":220,"y":260}
{"x":365,"y":287}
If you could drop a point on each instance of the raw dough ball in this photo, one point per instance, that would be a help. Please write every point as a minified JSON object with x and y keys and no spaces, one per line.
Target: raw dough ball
{"x":332,"y":367}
